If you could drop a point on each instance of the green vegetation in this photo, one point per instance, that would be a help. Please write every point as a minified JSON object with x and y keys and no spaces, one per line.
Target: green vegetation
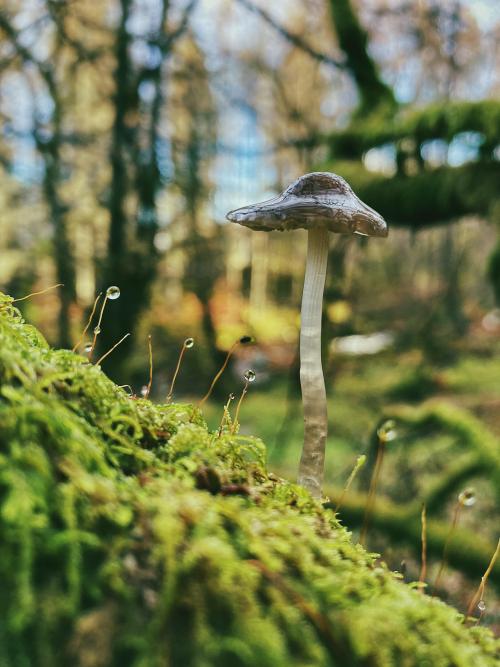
{"x":441,"y":120}
{"x":131,"y":534}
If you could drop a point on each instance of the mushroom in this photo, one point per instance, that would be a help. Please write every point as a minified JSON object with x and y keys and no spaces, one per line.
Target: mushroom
{"x":319,"y":202}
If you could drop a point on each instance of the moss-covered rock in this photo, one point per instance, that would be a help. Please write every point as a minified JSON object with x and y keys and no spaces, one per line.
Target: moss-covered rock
{"x":131,"y":535}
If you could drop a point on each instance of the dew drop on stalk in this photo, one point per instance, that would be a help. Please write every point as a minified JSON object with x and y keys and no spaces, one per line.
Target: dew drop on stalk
{"x":467,"y":498}
{"x":97,"y":330}
{"x":144,"y":390}
{"x":481,"y":605}
{"x":113,"y":292}
{"x":88,"y":347}
{"x":189,"y":342}
{"x":249,"y":375}
{"x":387,"y":431}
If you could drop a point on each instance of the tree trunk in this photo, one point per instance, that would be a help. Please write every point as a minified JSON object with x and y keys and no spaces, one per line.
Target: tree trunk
{"x":353,"y":40}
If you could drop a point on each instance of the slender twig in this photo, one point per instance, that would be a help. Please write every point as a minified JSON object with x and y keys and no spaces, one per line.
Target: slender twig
{"x":111,"y":350}
{"x":167,"y":43}
{"x":28,"y":296}
{"x":293,"y":38}
{"x":88,"y":323}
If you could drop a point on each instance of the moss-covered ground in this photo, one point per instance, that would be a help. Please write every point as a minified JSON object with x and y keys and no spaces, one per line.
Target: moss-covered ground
{"x":448,"y":438}
{"x":134,"y":535}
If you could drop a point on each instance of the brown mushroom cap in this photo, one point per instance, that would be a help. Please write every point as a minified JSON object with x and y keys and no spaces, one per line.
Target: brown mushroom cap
{"x":319,"y":199}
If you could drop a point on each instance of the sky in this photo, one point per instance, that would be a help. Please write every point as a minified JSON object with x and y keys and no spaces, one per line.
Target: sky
{"x":243,"y":170}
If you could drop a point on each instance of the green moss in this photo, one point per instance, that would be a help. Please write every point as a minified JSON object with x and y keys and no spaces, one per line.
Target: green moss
{"x":441,"y":120}
{"x":475,"y":456}
{"x":132,"y":535}
{"x":429,"y":197}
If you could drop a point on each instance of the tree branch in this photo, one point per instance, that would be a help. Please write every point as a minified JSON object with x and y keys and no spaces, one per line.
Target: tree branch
{"x":291,"y":37}
{"x":169,"y":39}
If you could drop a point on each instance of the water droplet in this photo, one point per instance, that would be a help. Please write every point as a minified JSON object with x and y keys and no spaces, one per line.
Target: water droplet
{"x":245,"y":340}
{"x":144,"y":390}
{"x":467,"y":498}
{"x":97,"y":330}
{"x":232,"y":397}
{"x":481,"y":605}
{"x":113,"y":292}
{"x":249,"y":375}
{"x":189,"y":342}
{"x":87,"y":347}
{"x":387,"y":431}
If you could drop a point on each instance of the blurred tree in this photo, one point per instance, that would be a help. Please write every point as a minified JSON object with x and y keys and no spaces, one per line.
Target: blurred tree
{"x":194,"y":135}
{"x":421,"y":193}
{"x":137,"y":168}
{"x":47,"y":130}
{"x":353,"y":40}
{"x":116,"y":105}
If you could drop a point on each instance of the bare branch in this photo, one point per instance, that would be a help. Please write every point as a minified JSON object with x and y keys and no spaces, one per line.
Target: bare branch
{"x":169,"y":39}
{"x":13,"y":36}
{"x":293,"y":38}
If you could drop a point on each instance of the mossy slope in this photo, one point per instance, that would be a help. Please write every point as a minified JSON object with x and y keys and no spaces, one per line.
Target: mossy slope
{"x":131,"y":535}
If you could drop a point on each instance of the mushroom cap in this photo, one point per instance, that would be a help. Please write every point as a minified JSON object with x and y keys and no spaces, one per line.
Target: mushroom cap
{"x":319,"y":199}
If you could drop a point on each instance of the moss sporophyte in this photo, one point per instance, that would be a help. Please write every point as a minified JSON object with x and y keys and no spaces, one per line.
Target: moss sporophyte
{"x":134,"y":535}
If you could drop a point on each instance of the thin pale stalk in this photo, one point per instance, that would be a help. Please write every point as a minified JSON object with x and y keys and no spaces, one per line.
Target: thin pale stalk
{"x":357,"y":466}
{"x":98,"y":326}
{"x":238,"y":407}
{"x":312,"y":382}
{"x":111,"y":350}
{"x":370,"y":503}
{"x":150,"y":383}
{"x":216,"y":378}
{"x":423,"y":568}
{"x":480,"y":591}
{"x":176,"y":373}
{"x":88,"y":323}
{"x":444,"y":558}
{"x":225,"y":415}
{"x":28,"y":296}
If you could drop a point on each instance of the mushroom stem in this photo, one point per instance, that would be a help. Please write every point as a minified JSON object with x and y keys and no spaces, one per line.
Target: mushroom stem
{"x":311,"y":372}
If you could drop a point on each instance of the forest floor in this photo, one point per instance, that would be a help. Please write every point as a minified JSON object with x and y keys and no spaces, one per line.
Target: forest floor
{"x":361,"y":393}
{"x":362,"y":390}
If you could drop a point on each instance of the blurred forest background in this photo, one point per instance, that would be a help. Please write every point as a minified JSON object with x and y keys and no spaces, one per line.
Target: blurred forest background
{"x":129,"y":129}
